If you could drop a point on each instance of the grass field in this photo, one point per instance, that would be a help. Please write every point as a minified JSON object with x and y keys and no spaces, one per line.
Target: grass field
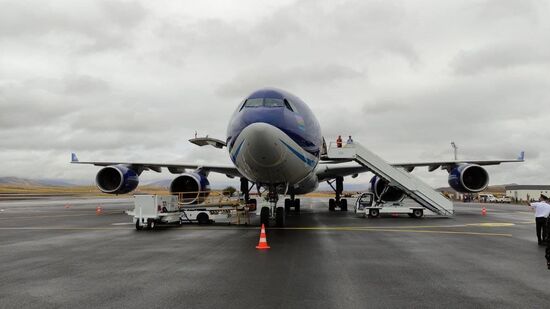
{"x":77,"y":190}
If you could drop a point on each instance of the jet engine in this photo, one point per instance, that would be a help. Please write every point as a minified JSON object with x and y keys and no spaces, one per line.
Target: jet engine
{"x":392,"y":194}
{"x":116,"y":179}
{"x":192,"y":188}
{"x":468,"y":178}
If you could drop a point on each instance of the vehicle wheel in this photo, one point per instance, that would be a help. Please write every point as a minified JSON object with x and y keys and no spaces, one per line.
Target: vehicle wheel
{"x":297,"y":205}
{"x":253,"y":204}
{"x":331,"y":204}
{"x":344,"y":205}
{"x":264,"y":216}
{"x":280,"y":217}
{"x":374,"y":213}
{"x":138,"y":226}
{"x":202,"y":218}
{"x":418,"y":213}
{"x":150,"y":224}
{"x":287,"y":205}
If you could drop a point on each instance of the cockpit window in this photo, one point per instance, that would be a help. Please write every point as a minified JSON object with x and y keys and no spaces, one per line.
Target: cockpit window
{"x":254,"y":102}
{"x":287,"y":104}
{"x":267,"y":102}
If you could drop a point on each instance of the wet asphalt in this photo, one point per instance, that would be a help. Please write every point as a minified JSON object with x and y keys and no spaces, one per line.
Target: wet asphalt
{"x":58,"y":253}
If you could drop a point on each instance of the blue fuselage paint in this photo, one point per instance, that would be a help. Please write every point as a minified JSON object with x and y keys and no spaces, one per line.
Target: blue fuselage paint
{"x":295,"y":120}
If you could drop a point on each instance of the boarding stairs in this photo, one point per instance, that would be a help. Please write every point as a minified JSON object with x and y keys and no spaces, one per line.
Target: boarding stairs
{"x":413,"y":187}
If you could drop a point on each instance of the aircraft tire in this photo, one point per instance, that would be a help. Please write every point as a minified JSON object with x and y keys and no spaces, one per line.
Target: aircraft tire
{"x":150,"y":224}
{"x":297,"y":205}
{"x":288,"y":202}
{"x":264,"y":216}
{"x":331,"y":204}
{"x":344,"y":205}
{"x":138,"y":226}
{"x":279,"y":217}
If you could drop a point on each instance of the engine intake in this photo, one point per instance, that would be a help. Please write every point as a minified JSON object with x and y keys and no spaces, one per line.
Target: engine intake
{"x":468,"y":178}
{"x":392,"y":194}
{"x":116,"y":179}
{"x":192,"y":188}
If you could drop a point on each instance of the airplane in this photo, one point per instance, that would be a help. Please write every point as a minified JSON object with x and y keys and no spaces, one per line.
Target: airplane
{"x":274,"y":141}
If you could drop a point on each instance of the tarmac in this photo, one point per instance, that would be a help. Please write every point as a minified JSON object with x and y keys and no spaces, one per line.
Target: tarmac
{"x":58,"y":253}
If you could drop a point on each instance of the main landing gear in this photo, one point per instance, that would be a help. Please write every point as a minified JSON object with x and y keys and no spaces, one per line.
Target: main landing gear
{"x":245,"y":188}
{"x":333,"y":203}
{"x":292,"y":202}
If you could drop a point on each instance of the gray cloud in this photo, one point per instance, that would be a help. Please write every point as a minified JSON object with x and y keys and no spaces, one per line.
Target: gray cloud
{"x":133,"y":80}
{"x":320,"y":75}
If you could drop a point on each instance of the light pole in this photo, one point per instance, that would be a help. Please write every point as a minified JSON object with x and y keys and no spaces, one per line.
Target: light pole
{"x":455,"y":148}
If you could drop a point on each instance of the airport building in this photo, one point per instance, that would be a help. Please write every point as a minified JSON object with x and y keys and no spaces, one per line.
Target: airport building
{"x":527,"y":192}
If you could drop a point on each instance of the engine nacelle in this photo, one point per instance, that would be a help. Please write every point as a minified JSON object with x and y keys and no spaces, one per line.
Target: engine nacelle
{"x":468,"y":178}
{"x":192,"y":188}
{"x":116,"y":179}
{"x":392,"y":194}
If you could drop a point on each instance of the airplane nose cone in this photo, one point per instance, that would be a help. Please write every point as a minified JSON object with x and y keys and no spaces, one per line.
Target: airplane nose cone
{"x":263,"y":146}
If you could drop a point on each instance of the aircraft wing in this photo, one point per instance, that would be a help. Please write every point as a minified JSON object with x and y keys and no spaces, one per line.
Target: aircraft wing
{"x":432,"y":166}
{"x":229,"y":171}
{"x":331,"y":170}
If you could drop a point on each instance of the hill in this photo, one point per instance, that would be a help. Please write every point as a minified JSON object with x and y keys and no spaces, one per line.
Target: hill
{"x":17,"y":181}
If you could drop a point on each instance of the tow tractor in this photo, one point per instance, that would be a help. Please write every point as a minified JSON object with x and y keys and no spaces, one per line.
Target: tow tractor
{"x":366,"y":205}
{"x":150,"y":210}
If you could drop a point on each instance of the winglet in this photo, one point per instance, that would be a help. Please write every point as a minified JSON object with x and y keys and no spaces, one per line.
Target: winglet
{"x":74,"y":158}
{"x":522,"y":156}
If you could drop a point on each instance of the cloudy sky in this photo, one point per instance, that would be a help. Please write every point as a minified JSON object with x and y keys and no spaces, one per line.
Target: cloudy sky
{"x":133,"y":80}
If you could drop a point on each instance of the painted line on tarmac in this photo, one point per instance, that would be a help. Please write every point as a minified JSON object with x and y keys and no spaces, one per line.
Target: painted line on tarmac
{"x":292,"y":229}
{"x":61,"y":216}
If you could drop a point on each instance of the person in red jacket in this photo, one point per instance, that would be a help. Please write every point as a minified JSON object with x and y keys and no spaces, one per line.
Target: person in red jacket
{"x":339,"y":141}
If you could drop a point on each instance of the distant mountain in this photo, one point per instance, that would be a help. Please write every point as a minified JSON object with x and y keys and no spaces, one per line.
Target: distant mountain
{"x":17,"y":181}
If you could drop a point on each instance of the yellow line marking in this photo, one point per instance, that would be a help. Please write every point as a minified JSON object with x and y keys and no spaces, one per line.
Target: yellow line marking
{"x":491,"y":224}
{"x":231,"y":229}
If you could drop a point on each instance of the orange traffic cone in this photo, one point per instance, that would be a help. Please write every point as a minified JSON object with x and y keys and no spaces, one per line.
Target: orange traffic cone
{"x":98,"y":210}
{"x":483,"y":211}
{"x":262,"y":244}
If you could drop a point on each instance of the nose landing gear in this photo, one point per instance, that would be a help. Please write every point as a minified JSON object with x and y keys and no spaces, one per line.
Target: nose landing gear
{"x":273,"y":211}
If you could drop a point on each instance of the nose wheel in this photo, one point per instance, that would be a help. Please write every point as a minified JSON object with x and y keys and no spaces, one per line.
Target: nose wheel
{"x":273,"y":211}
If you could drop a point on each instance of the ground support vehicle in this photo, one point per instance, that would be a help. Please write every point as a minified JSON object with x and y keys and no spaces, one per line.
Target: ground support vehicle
{"x":150,"y":210}
{"x":365,"y":205}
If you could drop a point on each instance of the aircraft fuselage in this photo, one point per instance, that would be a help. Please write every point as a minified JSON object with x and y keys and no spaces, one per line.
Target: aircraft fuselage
{"x":273,"y":138}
